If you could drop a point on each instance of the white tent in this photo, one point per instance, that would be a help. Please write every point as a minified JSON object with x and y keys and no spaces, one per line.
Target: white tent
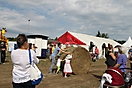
{"x":88,"y":38}
{"x":128,"y":43}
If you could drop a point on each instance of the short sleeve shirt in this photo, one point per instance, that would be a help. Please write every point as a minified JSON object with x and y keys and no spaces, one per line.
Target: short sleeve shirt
{"x":122,"y":60}
{"x":56,"y":51}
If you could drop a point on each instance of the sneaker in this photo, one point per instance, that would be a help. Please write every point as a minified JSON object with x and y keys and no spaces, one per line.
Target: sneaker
{"x":57,"y":72}
{"x":50,"y":72}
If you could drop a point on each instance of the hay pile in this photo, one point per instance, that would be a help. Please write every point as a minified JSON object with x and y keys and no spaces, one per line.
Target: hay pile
{"x":81,"y":59}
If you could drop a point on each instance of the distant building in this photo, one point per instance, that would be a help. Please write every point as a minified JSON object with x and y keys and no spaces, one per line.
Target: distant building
{"x":40,"y":42}
{"x":12,"y":45}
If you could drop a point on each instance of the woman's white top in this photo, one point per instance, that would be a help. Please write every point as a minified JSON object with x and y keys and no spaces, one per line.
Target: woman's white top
{"x":21,"y":65}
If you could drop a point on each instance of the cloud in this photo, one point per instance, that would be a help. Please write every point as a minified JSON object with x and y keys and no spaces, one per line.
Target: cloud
{"x":54,"y":17}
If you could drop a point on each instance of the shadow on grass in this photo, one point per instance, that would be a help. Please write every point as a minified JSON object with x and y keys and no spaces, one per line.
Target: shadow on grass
{"x":97,"y":76}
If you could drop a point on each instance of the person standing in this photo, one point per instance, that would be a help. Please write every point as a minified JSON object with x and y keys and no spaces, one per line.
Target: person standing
{"x":110,"y":57}
{"x":21,"y":64}
{"x":103,"y":50}
{"x":58,"y":64}
{"x":3,"y":51}
{"x":67,"y":66}
{"x":96,"y":52}
{"x":91,"y":47}
{"x":121,"y":60}
{"x":54,"y":54}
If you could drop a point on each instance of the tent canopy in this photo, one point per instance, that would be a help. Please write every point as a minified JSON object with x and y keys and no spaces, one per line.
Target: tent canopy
{"x":68,"y":38}
{"x":84,"y":39}
{"x":128,"y":43}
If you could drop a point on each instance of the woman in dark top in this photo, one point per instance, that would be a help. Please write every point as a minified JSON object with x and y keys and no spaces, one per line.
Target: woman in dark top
{"x":110,"y":57}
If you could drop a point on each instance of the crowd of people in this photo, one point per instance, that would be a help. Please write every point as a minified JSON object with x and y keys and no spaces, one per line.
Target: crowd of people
{"x":21,"y":65}
{"x":63,"y":64}
{"x":116,"y":63}
{"x":53,"y":56}
{"x":114,"y":59}
{"x":94,"y":52}
{"x":117,"y":59}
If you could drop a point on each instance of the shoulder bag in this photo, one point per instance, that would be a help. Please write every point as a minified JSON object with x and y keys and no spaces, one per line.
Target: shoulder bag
{"x":35,"y":74}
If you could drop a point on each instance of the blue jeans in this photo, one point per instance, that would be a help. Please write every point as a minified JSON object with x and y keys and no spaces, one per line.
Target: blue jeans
{"x":53,"y":63}
{"x":97,"y":56}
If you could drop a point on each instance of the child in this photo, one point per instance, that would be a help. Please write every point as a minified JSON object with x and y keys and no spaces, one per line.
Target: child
{"x":58,"y":64}
{"x":67,"y":66}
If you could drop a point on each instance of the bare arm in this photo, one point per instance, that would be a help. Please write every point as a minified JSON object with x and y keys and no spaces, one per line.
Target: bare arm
{"x":113,"y":56}
{"x":117,"y":65}
{"x":128,"y":56}
{"x":63,"y":51}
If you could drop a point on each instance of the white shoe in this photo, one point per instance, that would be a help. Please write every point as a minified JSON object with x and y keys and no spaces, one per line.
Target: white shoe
{"x":65,"y":76}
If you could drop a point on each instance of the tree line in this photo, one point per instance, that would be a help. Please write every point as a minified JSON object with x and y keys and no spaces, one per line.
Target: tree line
{"x":99,"y":34}
{"x":105,"y":35}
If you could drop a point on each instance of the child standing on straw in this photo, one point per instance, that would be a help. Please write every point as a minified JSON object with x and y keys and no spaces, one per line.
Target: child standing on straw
{"x":67,"y":66}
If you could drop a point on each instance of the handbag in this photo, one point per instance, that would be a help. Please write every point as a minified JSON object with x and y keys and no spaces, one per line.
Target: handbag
{"x":35,"y":74}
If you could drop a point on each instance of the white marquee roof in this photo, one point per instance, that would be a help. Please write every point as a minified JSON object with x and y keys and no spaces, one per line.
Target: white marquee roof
{"x":128,"y":43}
{"x":96,"y":40}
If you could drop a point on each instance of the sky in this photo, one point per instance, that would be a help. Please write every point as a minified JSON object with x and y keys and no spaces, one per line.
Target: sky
{"x":54,"y":17}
